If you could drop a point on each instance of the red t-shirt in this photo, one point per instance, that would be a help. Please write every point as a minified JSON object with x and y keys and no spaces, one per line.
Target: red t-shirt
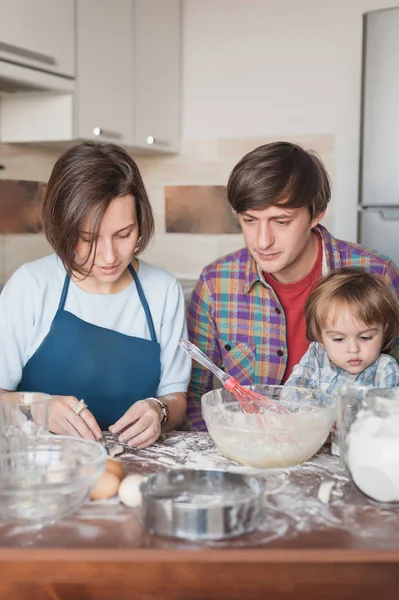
{"x":292,"y":297}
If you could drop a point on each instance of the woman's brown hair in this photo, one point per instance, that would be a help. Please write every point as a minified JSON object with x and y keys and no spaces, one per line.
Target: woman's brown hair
{"x":372,"y":300}
{"x":85,"y":180}
{"x":279,"y":173}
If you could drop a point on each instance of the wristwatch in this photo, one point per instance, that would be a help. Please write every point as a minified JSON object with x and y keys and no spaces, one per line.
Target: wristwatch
{"x":164,"y":410}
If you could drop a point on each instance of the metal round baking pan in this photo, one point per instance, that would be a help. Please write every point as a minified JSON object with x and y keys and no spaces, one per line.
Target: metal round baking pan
{"x":201,"y":504}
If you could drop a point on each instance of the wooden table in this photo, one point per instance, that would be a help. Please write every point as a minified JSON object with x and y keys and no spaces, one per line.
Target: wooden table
{"x":304,"y":549}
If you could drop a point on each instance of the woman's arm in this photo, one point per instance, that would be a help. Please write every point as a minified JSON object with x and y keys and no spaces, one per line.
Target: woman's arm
{"x":17,"y":318}
{"x":140,"y":426}
{"x":177,"y":406}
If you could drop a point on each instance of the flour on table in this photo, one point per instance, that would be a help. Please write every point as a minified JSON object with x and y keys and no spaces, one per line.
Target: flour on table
{"x":191,"y":451}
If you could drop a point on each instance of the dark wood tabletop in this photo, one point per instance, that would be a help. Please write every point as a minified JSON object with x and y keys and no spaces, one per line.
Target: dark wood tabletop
{"x":303,"y":548}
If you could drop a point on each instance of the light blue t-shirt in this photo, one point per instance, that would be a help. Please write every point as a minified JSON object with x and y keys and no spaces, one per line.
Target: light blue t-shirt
{"x":30,"y":300}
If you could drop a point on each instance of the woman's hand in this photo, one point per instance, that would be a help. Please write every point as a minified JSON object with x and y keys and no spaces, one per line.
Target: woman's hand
{"x":141,"y":424}
{"x":64,"y":421}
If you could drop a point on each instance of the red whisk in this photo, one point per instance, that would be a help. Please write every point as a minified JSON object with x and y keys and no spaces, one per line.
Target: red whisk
{"x":250,"y":401}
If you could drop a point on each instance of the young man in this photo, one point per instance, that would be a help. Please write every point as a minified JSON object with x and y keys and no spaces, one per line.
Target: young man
{"x":247,"y":309}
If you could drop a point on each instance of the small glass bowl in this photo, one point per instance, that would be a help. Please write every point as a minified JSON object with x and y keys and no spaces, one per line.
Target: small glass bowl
{"x":24,"y":413}
{"x":45,"y":477}
{"x":270,"y":440}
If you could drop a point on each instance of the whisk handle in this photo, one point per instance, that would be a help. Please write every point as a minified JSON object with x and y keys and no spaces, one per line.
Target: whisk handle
{"x":200,"y":357}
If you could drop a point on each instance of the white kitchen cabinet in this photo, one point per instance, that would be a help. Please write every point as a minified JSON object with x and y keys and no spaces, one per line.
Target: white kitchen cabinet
{"x":39,"y":34}
{"x":104,"y":98}
{"x":127,"y":81}
{"x":158,"y":73}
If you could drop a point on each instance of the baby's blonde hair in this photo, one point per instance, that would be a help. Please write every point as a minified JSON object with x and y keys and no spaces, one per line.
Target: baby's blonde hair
{"x":372,"y":301}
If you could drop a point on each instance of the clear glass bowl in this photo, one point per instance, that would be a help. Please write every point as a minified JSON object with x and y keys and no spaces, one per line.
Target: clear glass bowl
{"x":266,"y":440}
{"x":368,"y":423}
{"x":45,"y":477}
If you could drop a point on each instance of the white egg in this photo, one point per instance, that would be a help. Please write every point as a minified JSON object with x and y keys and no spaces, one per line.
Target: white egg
{"x":129,"y":491}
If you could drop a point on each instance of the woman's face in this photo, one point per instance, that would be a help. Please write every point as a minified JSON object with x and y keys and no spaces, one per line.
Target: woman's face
{"x":116,"y":242}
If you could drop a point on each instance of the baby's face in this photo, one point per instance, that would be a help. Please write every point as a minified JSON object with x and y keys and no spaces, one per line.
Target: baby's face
{"x":351,"y":344}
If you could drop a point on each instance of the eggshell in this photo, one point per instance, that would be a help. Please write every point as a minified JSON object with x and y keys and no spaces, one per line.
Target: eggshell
{"x":106,"y":487}
{"x":116,"y":467}
{"x":129,"y":491}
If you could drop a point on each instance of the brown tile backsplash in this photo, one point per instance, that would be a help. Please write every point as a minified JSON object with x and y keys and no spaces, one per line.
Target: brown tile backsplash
{"x":199,"y":209}
{"x":20,"y":206}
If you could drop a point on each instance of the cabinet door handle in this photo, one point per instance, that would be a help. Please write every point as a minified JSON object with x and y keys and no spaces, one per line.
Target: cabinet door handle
{"x":151,"y":141}
{"x":25,"y":53}
{"x":107,"y":133}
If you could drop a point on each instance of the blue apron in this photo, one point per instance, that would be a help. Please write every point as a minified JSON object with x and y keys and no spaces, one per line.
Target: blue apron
{"x":109,"y":370}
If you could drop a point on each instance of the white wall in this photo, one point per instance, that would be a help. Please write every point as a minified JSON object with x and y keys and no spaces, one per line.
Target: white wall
{"x":279,"y":67}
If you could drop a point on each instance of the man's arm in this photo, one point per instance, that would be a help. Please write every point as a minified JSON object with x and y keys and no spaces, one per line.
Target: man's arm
{"x":391,"y":278}
{"x":202,"y":332}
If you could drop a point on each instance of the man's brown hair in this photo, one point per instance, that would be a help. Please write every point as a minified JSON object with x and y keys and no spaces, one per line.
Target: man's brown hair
{"x":372,"y":301}
{"x":85,"y":180}
{"x":279,"y":173}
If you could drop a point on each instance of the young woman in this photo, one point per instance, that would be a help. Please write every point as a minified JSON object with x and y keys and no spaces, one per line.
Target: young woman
{"x":93,"y":325}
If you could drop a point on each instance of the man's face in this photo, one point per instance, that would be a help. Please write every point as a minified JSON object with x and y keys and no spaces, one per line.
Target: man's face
{"x":280,"y":240}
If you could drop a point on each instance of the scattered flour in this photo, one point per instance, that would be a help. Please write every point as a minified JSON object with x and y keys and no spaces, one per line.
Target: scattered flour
{"x":191,"y":451}
{"x":291,"y":505}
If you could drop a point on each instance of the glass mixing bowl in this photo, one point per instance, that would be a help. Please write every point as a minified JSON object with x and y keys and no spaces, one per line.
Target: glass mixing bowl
{"x":45,"y":477}
{"x":270,"y":440}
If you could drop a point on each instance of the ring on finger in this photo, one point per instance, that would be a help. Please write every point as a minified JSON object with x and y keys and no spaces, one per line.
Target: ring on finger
{"x":81,"y":405}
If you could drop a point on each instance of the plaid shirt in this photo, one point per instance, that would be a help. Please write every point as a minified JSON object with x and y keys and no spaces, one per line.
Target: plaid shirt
{"x":317,"y":372}
{"x":237,"y":320}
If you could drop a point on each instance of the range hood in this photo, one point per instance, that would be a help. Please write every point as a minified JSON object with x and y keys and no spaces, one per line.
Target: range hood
{"x":16,"y":78}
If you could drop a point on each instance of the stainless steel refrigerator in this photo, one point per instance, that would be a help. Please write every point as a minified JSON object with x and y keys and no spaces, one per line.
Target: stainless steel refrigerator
{"x":379,"y":160}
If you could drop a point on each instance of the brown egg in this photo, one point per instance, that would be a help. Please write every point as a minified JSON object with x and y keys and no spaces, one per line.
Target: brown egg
{"x":116,"y":467}
{"x":106,"y":487}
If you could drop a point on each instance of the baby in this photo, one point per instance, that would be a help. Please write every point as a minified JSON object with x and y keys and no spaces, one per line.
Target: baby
{"x":352,"y":320}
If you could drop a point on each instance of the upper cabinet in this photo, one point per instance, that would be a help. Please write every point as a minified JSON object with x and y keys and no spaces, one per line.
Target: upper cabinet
{"x":128,"y":80}
{"x":104,"y":106}
{"x":39,"y":34}
{"x":157,"y":67}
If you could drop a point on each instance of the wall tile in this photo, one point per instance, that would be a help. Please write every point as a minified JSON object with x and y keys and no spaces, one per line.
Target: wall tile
{"x":237,"y":147}
{"x":21,"y":248}
{"x":20,"y":206}
{"x":230,"y":243}
{"x":200,"y":150}
{"x":184,"y":255}
{"x":27,"y":162}
{"x":199,"y":209}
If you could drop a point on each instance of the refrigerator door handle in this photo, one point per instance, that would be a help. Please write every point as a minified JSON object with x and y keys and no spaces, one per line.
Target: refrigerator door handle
{"x":386,"y":214}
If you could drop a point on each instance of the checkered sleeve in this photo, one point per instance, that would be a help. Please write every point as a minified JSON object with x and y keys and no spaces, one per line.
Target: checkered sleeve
{"x":391,"y":277}
{"x":202,"y":333}
{"x":387,"y":375}
{"x":307,"y":372}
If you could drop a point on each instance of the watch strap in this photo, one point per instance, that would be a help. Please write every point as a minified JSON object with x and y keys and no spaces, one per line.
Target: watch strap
{"x":164,"y":410}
